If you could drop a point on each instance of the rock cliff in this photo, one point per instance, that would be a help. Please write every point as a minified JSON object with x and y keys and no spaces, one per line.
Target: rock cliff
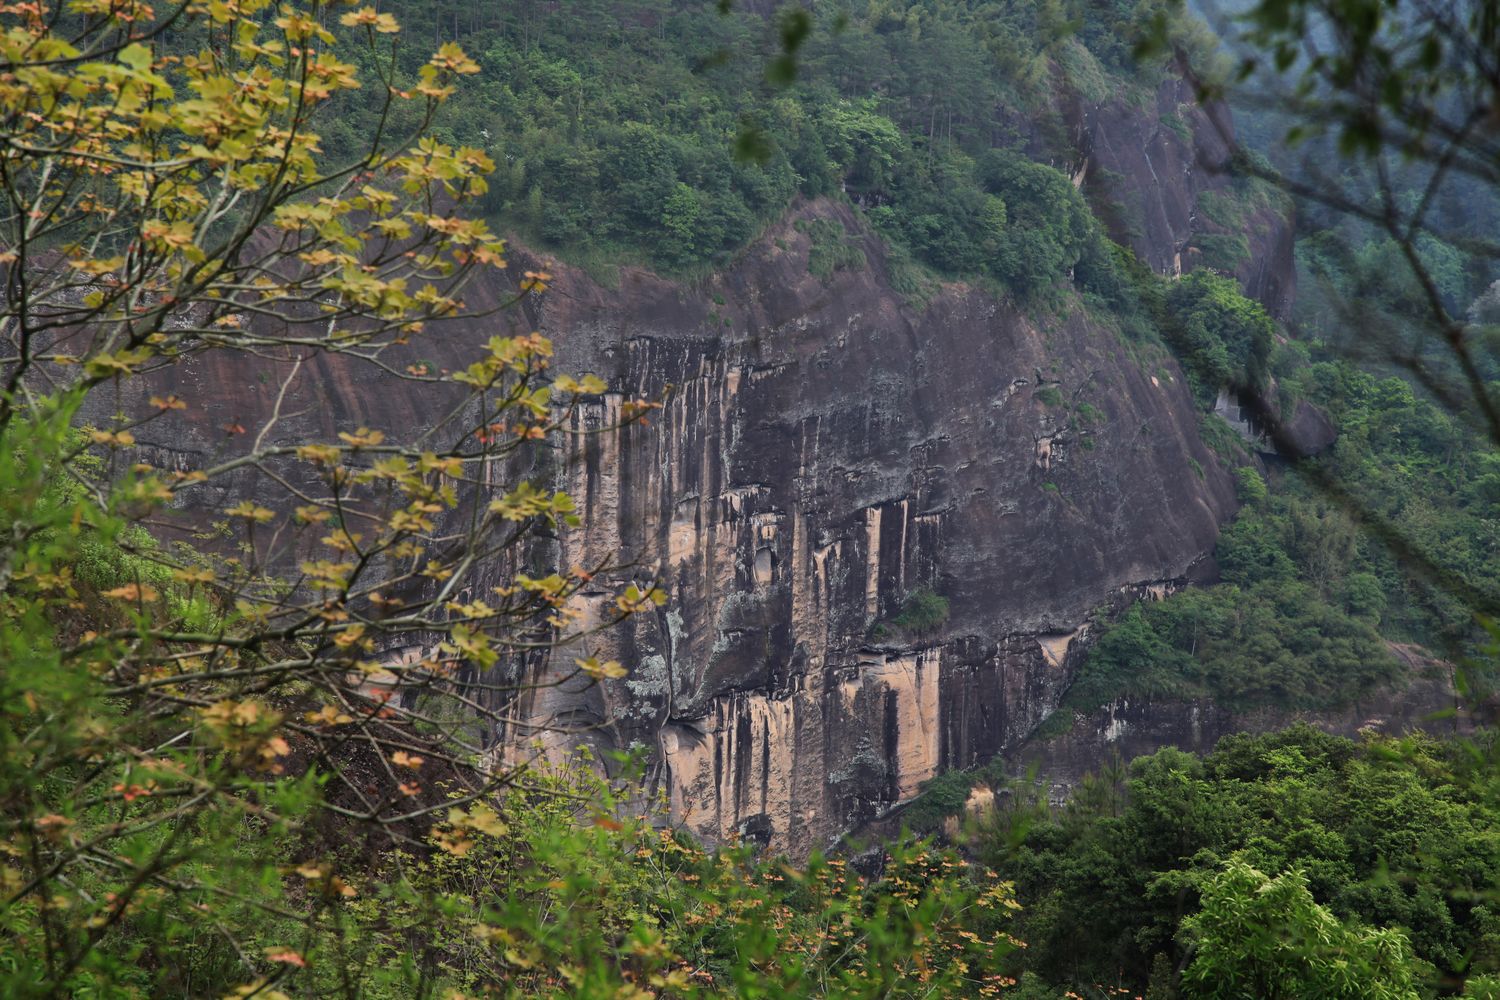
{"x":826,"y":450}
{"x":1148,"y":172}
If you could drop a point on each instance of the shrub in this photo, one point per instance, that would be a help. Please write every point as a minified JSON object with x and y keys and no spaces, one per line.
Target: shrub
{"x":939,"y":798}
{"x":830,"y":249}
{"x":1088,"y":415}
{"x":1222,"y":337}
{"x":923,"y":611}
{"x":1249,"y":486}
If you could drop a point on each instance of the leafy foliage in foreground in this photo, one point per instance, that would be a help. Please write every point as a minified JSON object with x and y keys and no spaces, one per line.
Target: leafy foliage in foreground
{"x":1267,"y":937}
{"x":558,"y":900}
{"x":185,"y":729}
{"x":539,"y":896}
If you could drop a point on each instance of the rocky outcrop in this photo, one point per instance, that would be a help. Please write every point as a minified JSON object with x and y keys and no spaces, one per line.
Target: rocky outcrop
{"x":1146,"y":171}
{"x":1309,"y":431}
{"x":1258,"y":420}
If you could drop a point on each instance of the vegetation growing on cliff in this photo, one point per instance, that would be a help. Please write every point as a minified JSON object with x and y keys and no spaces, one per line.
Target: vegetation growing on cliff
{"x":1222,"y":337}
{"x":923,"y":610}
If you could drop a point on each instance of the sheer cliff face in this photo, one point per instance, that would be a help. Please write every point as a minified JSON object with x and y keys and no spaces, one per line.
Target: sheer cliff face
{"x":824,"y":451}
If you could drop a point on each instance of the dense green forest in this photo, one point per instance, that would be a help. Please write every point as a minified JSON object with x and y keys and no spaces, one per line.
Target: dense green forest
{"x":670,"y":133}
{"x":1136,"y":882}
{"x":191,"y":804}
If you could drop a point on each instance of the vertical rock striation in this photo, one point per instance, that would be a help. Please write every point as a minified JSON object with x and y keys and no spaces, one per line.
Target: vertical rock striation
{"x":824,"y":451}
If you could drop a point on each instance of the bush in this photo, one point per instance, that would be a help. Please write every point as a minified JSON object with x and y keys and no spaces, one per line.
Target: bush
{"x":1049,"y":228}
{"x":1088,"y":415}
{"x":831,"y":248}
{"x":923,"y":611}
{"x":1222,"y":338}
{"x":1249,"y":487}
{"x":939,"y":798}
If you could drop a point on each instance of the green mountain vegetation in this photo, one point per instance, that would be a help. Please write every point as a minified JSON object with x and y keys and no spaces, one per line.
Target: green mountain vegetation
{"x":1292,"y":864}
{"x":672,"y":133}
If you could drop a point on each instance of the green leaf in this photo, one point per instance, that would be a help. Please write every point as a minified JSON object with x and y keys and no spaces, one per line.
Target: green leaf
{"x":137,"y":56}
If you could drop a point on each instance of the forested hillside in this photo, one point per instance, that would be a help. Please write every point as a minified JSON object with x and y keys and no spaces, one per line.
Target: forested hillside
{"x":1291,"y":864}
{"x":672,"y":133}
